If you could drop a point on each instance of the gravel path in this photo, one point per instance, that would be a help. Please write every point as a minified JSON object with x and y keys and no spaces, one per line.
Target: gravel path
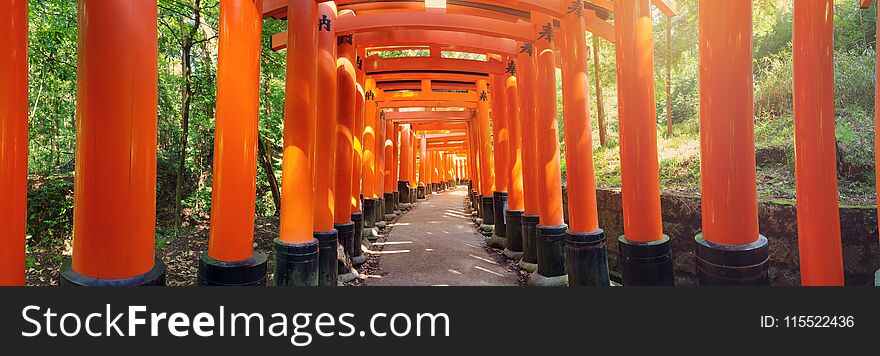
{"x":437,"y":244}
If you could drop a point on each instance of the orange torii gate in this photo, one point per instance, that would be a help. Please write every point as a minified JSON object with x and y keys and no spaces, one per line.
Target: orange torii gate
{"x":341,"y":127}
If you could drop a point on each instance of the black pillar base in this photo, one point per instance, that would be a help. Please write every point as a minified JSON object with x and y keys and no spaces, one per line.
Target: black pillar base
{"x":413,"y":195}
{"x":389,"y":204}
{"x":396,"y":202}
{"x":369,"y":214}
{"x":154,"y":277}
{"x":478,"y":205}
{"x":346,"y":239}
{"x":529,"y":260}
{"x":488,"y":208}
{"x":357,"y":251}
{"x":499,"y":205}
{"x":732,"y":265}
{"x":403,"y":188}
{"x":327,"y":257}
{"x":249,"y":272}
{"x":550,"y":248}
{"x":296,"y":265}
{"x":421,"y":192}
{"x":513,"y":226}
{"x":646,"y":263}
{"x":587,"y":259}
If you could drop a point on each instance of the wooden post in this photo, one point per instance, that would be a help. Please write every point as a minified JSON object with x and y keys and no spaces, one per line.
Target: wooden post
{"x":13,"y":140}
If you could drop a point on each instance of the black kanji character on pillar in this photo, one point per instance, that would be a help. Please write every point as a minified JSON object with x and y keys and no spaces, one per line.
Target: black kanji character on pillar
{"x":324,"y":24}
{"x":484,"y":96}
{"x":360,"y":63}
{"x":370,"y":95}
{"x":546,"y":32}
{"x":576,"y":7}
{"x":511,"y":68}
{"x":341,"y":40}
{"x":526,"y":48}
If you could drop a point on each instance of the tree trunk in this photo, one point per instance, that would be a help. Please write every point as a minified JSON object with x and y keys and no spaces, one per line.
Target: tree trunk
{"x":266,"y":162}
{"x":668,"y":77}
{"x":600,"y":103}
{"x":265,"y":155}
{"x":188,"y":34}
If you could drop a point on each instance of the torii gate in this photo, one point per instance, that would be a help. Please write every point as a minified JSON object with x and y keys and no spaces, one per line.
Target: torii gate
{"x":334,"y":128}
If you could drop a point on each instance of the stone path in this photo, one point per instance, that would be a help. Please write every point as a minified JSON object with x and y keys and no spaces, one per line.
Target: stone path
{"x":436,"y":244}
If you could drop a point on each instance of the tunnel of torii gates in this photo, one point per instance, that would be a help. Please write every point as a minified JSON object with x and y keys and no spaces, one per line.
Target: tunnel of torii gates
{"x":365,"y":137}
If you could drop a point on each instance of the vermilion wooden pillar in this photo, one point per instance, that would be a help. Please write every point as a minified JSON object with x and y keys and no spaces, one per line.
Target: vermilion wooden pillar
{"x":346,"y":84}
{"x":395,"y":165}
{"x":818,"y":214}
{"x":380,"y":168}
{"x":325,"y":145}
{"x":526,"y":81}
{"x":500,"y":135}
{"x":515,"y":203}
{"x":370,"y":169}
{"x":586,"y":257}
{"x":403,"y":184}
{"x":114,"y":215}
{"x":13,"y":140}
{"x":389,"y":181}
{"x":646,"y":257}
{"x":296,"y":249}
{"x":729,"y":251}
{"x":550,"y":237}
{"x":230,"y":259}
{"x":423,"y":166}
{"x":487,"y":175}
{"x":358,"y":217}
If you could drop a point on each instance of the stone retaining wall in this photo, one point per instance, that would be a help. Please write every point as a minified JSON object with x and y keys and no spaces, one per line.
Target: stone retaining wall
{"x":778,"y":222}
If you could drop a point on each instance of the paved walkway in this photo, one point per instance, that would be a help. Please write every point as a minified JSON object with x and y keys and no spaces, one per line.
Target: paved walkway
{"x":436,"y":244}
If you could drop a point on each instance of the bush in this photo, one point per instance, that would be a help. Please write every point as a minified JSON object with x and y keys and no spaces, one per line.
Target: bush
{"x":50,"y":208}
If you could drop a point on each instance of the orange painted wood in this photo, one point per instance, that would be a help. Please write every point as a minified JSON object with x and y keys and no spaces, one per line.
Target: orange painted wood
{"x":325,"y":134}
{"x":371,"y":114}
{"x":346,"y":84}
{"x":395,"y":156}
{"x":13,"y":140}
{"x":390,"y":136}
{"x":818,"y":214}
{"x":456,"y":65}
{"x":297,"y":219}
{"x":519,"y":31}
{"x":358,"y":132}
{"x":405,"y":147}
{"x":413,"y":39}
{"x":485,"y":140}
{"x":234,"y":180}
{"x":515,"y":198}
{"x":727,"y":140}
{"x":547,"y":129}
{"x":583,"y":215}
{"x":639,"y":169}
{"x":526,"y":82}
{"x":500,"y":131}
{"x":114,"y":216}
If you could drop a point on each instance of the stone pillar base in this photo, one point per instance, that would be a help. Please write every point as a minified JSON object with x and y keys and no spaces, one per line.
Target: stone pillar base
{"x":646,"y":263}
{"x":587,"y":259}
{"x":154,"y":277}
{"x":296,"y":265}
{"x":737,"y":265}
{"x":248,"y":272}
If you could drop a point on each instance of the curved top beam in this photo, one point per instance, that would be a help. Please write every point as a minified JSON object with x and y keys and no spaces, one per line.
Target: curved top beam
{"x":520,"y":30}
{"x":556,"y":8}
{"x":431,"y":65}
{"x":447,"y":40}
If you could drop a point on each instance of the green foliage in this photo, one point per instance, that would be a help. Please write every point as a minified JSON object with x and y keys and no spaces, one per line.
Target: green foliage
{"x":50,"y":208}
